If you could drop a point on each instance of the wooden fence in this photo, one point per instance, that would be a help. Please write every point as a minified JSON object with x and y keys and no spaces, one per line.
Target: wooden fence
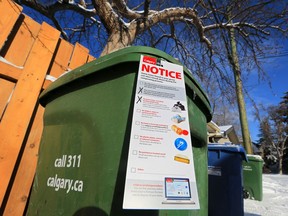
{"x":30,"y":55}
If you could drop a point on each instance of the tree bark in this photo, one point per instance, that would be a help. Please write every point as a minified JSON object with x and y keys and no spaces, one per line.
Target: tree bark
{"x":281,"y":154}
{"x":280,"y":165}
{"x":117,"y":41}
{"x":239,"y":92}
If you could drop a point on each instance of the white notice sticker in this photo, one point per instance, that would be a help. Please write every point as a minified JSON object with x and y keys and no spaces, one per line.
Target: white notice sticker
{"x":160,"y":170}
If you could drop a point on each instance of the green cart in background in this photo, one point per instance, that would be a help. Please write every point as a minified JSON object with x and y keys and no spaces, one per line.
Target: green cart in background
{"x":252,"y":177}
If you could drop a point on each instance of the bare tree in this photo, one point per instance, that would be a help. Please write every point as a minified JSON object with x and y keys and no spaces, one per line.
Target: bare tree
{"x":123,"y":21}
{"x":274,"y":133}
{"x":197,"y":32}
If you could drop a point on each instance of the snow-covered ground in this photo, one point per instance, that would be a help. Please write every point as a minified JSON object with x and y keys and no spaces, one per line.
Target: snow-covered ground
{"x":275,"y":197}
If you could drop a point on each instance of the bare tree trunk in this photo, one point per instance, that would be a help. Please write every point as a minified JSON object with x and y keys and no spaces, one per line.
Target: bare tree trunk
{"x":118,"y":40}
{"x":239,"y":92}
{"x":113,"y":44}
{"x":281,"y":154}
{"x":279,"y":151}
{"x":280,"y":165}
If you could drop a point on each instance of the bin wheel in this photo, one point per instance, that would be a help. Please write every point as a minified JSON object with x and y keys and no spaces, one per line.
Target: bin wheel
{"x":245,"y":194}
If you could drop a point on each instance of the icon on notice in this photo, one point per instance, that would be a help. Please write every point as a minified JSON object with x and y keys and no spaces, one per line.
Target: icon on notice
{"x":179,"y":130}
{"x":178,"y":119}
{"x":178,"y":107}
{"x":180,"y":144}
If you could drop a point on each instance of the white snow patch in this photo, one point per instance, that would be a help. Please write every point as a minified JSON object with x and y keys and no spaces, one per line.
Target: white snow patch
{"x":275,"y":198}
{"x":51,"y":78}
{"x":255,"y":156}
{"x":10,"y":63}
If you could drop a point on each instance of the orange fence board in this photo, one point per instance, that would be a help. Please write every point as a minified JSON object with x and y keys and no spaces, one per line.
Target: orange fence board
{"x":6,"y":89}
{"x":61,"y":61}
{"x":18,"y":51}
{"x":24,"y":178}
{"x":9,"y":71}
{"x":79,"y":56}
{"x":19,"y":111}
{"x":10,"y":12}
{"x":90,"y":58}
{"x":31,"y":51}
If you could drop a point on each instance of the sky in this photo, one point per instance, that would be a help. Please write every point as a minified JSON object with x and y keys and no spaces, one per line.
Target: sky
{"x":277,"y":70}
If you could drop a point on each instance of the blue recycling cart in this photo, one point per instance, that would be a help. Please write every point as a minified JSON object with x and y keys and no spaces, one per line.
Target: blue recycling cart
{"x":225,"y":179}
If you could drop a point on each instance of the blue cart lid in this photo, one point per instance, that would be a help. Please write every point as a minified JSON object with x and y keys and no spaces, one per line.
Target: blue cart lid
{"x":229,"y":148}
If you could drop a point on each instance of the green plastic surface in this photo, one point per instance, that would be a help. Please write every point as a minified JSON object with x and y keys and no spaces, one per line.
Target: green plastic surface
{"x":87,"y":121}
{"x":252,"y":177}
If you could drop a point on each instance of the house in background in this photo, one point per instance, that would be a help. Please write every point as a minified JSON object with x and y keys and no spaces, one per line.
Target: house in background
{"x":227,"y":134}
{"x":221,"y":134}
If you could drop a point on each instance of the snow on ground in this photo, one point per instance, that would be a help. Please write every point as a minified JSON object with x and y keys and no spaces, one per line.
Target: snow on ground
{"x":275,"y":197}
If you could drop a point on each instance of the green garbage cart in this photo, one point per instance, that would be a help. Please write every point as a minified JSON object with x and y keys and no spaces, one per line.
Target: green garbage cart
{"x":252,"y":177}
{"x":84,"y":147}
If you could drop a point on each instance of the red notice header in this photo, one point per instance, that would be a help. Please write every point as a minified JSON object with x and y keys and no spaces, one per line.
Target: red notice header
{"x":160,"y":71}
{"x":149,"y":60}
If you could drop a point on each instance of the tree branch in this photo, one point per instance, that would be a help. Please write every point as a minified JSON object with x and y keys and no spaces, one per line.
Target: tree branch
{"x":107,"y":15}
{"x":125,"y":11}
{"x":50,"y":10}
{"x":58,"y":26}
{"x":186,"y":15}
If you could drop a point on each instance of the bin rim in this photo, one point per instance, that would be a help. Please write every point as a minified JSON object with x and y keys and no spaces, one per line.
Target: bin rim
{"x":257,"y":158}
{"x":127,"y":54}
{"x":229,"y":148}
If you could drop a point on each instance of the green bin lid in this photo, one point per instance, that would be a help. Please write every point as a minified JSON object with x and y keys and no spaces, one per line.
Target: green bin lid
{"x":125,"y":55}
{"x":256,"y":158}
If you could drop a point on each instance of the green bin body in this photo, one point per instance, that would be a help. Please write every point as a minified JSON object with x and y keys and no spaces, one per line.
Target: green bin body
{"x":252,"y":177}
{"x":87,"y":123}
